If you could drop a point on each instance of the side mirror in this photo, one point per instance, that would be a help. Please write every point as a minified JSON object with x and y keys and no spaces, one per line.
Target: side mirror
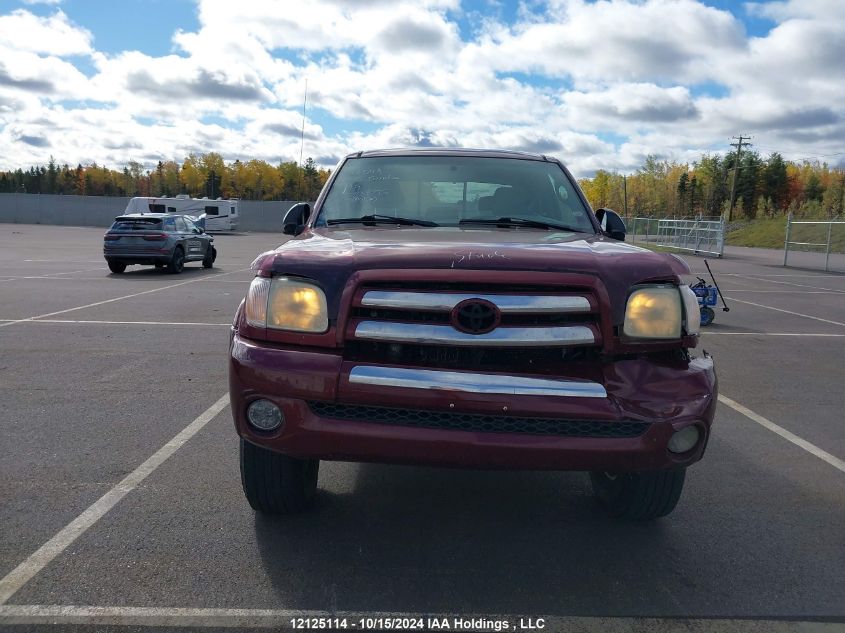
{"x":611,"y":224}
{"x":295,"y":218}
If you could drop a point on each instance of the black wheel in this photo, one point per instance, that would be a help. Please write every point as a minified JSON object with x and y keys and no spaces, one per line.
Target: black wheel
{"x":644,"y":496}
{"x":177,"y":262}
{"x":208,"y":260}
{"x":707,"y":316}
{"x":277,"y":484}
{"x":117,"y":267}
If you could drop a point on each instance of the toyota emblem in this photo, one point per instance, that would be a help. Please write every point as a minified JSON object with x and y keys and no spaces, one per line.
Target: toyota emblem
{"x":475,"y":316}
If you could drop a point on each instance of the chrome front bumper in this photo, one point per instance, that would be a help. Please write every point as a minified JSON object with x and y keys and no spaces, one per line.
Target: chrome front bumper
{"x":431,"y":379}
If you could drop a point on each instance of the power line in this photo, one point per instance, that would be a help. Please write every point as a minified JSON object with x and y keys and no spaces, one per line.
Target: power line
{"x":795,"y":151}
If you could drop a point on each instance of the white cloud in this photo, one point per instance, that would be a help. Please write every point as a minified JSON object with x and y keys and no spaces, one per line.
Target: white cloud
{"x":600,"y":84}
{"x":53,"y":35}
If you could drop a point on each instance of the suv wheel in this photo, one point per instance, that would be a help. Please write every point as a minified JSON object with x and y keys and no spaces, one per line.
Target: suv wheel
{"x":177,"y":263}
{"x":117,"y":267}
{"x":277,"y":484}
{"x":646,"y":495}
{"x":208,"y":260}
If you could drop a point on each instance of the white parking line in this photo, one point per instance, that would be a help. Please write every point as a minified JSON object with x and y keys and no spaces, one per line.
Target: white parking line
{"x":788,"y":436}
{"x":111,"y":279}
{"x":37,"y":561}
{"x":721,"y":274}
{"x":68,"y":321}
{"x":760,"y":305}
{"x":789,"y":283}
{"x":787,"y":292}
{"x":280,"y":619}
{"x":99,"y":303}
{"x":717,"y":333}
{"x":54,"y":275}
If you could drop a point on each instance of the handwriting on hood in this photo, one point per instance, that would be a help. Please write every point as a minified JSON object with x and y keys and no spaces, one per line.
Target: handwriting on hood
{"x":474,"y":256}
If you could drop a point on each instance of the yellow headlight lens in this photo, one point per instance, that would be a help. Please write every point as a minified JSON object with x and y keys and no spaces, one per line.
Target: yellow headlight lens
{"x":653,"y":313}
{"x":297,"y":306}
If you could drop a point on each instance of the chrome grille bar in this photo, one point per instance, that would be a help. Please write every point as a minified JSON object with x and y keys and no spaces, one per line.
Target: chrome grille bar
{"x":508,"y":304}
{"x":424,"y":333}
{"x":473,"y":383}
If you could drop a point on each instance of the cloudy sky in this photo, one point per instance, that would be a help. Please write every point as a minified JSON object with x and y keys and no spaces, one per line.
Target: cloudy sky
{"x":600,"y":84}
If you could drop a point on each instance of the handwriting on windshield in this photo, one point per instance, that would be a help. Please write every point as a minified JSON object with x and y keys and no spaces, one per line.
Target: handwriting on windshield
{"x":358,"y":193}
{"x":374,"y":175}
{"x":466,"y":258}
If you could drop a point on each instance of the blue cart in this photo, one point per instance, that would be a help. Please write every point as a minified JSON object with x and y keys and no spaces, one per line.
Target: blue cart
{"x":708,"y":297}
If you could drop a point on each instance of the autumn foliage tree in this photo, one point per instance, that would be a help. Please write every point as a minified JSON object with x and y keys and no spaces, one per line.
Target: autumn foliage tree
{"x":764,"y":188}
{"x":198,"y":175}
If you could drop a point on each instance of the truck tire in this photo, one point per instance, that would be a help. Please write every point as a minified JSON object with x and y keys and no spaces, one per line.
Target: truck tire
{"x":210,"y":256}
{"x":117,"y":267}
{"x":642,"y":496}
{"x":177,"y":262}
{"x":277,"y":484}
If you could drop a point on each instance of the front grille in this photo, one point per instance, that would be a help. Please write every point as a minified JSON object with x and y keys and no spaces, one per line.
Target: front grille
{"x":543,"y":329}
{"x":479,"y":423}
{"x":536,"y":360}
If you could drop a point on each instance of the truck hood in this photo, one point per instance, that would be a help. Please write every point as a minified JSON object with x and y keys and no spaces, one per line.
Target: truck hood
{"x":329,"y":256}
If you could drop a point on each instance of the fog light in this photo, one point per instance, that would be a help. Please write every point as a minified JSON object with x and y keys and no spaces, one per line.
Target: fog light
{"x":683,"y":440}
{"x":264,"y":415}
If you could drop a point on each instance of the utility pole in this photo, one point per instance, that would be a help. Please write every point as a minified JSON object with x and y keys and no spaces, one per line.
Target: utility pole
{"x":625,"y":193}
{"x":738,"y":146}
{"x":302,"y":146}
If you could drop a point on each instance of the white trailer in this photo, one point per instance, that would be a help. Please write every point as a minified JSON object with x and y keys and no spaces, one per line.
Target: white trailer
{"x":218,"y":215}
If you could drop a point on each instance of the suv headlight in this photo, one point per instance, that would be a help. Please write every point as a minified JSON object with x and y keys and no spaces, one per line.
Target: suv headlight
{"x":653,"y":312}
{"x":282,"y":303}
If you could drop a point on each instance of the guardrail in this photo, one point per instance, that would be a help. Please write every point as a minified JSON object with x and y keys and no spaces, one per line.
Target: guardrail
{"x":827,"y":245}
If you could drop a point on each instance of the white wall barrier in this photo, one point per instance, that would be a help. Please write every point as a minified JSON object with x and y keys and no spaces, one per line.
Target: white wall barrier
{"x":100,"y":211}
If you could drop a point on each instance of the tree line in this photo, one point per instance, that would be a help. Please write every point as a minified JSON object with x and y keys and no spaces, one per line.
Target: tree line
{"x":764,"y":188}
{"x":204,"y":175}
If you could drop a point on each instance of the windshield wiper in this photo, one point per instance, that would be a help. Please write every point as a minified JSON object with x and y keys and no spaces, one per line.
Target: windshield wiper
{"x":535,"y":224}
{"x":378,"y":218}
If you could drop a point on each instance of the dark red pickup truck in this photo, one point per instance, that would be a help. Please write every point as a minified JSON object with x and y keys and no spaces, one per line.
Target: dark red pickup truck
{"x":466,"y":308}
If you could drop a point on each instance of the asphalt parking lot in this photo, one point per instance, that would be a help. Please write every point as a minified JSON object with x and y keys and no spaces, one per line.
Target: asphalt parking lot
{"x":100,"y":372}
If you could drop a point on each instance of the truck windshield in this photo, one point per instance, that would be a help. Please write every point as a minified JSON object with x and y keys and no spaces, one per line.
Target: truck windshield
{"x":450,"y":190}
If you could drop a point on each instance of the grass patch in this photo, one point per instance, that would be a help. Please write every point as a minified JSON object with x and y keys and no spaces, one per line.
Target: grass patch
{"x":770,"y":233}
{"x":767,"y":233}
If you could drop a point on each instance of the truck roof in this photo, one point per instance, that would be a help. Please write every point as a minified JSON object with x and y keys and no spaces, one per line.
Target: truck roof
{"x":450,"y":151}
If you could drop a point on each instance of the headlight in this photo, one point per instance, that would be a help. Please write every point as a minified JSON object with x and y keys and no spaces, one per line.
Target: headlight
{"x":653,"y":312}
{"x":692,"y":313}
{"x":282,"y":303}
